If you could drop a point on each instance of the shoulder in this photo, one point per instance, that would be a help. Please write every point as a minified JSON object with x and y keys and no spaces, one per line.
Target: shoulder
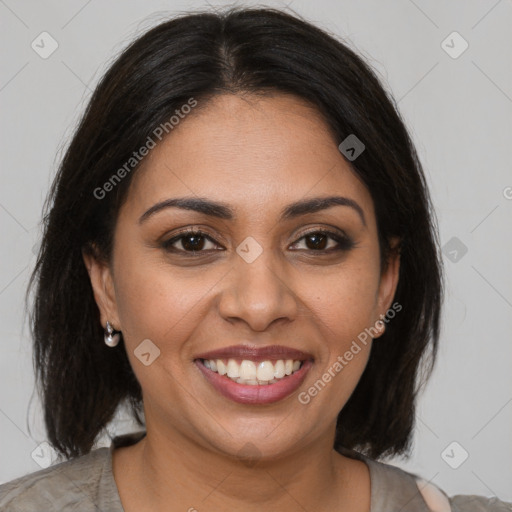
{"x":69,"y":485}
{"x":394,"y":488}
{"x":439,"y":500}
{"x":434,"y":498}
{"x":473,"y":503}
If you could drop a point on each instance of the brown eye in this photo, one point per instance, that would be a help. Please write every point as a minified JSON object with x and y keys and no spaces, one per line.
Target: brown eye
{"x":194,"y":242}
{"x":190,"y":241}
{"x":318,"y":241}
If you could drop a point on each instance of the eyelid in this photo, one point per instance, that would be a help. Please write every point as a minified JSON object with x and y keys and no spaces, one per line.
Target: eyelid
{"x":188,"y":231}
{"x":329,"y":230}
{"x":344,"y":242}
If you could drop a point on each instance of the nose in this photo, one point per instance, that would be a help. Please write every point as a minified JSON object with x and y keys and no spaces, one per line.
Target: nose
{"x":258,"y":293}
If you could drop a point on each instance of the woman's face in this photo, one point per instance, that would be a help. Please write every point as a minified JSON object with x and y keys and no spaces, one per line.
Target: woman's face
{"x":256,"y":279}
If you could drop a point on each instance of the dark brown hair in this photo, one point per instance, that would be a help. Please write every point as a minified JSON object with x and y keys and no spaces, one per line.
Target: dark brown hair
{"x":82,"y":382}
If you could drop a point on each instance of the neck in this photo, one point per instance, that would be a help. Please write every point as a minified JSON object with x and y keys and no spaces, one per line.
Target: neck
{"x":175,"y":469}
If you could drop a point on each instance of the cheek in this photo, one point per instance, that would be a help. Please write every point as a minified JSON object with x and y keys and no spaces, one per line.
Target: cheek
{"x":157,"y":302}
{"x":348,"y":302}
{"x":158,"y":305}
{"x":342,"y":316}
{"x":343,"y":312}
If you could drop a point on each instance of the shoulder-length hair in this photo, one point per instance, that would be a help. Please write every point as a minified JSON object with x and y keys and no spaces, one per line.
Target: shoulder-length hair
{"x":81,"y":381}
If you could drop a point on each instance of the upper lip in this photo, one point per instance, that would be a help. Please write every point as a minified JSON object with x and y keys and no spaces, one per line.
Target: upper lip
{"x":256,"y":353}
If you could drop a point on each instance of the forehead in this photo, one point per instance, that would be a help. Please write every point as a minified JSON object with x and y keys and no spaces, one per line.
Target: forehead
{"x":251,"y":152}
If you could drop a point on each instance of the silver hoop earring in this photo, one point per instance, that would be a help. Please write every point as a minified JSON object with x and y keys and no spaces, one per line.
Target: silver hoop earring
{"x":111,"y":339}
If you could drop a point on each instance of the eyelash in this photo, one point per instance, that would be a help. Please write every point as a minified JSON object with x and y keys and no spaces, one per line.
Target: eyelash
{"x":344,"y":242}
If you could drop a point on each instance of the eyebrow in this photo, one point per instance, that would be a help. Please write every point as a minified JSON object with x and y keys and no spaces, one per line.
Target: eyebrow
{"x":226,"y":212}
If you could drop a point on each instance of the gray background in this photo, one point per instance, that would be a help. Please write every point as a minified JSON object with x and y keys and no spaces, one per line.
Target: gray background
{"x":459,"y":113}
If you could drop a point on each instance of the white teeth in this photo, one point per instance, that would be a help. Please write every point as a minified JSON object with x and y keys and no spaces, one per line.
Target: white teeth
{"x":254,"y":373}
{"x":279,"y":369}
{"x":248,"y":370}
{"x":221,"y":367}
{"x":233,"y":369}
{"x":265,"y":370}
{"x":253,"y":382}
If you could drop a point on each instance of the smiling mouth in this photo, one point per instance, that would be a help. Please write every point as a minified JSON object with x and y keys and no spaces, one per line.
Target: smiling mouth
{"x":255,"y":382}
{"x":253,"y":373}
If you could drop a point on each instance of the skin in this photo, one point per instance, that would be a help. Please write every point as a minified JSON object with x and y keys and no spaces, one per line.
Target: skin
{"x":258,"y":155}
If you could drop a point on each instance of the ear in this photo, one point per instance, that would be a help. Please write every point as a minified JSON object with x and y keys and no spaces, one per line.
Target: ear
{"x":389,"y":279}
{"x":103,"y":287}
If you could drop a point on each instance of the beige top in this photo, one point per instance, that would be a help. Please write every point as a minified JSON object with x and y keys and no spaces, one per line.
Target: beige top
{"x":86,"y":484}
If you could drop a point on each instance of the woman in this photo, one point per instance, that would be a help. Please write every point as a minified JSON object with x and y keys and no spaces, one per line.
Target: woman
{"x":240,"y":244}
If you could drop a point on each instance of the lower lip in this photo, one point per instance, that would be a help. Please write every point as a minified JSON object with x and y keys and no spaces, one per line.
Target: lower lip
{"x":255,"y":395}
